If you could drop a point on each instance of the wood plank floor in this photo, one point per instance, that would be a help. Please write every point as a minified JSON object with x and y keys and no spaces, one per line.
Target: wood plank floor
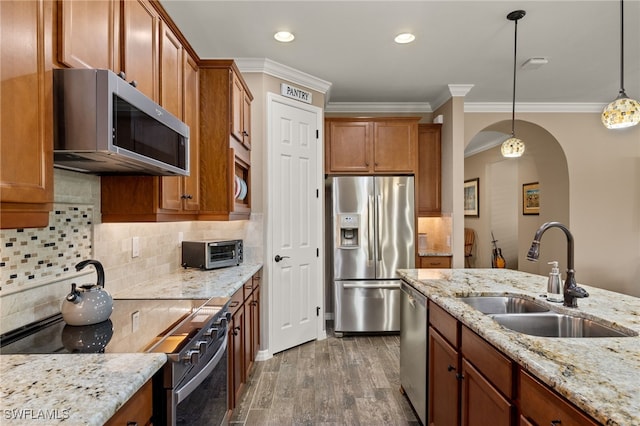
{"x":353,"y":380}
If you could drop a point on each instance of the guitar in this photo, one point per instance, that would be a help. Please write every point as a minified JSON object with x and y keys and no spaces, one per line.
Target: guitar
{"x":497,"y":261}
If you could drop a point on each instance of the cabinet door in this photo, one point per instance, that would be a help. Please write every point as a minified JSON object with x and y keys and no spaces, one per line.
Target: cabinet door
{"x":246,"y":120}
{"x":26,"y":151}
{"x":236,"y":339}
{"x":394,"y":146}
{"x":255,"y":319}
{"x":171,"y":69}
{"x":349,"y":147}
{"x":191,"y":95}
{"x":137,"y":410}
{"x":140,"y":46}
{"x":237,"y":106}
{"x":481,"y":401}
{"x":87,"y":33}
{"x":429,"y":170}
{"x":444,"y":393}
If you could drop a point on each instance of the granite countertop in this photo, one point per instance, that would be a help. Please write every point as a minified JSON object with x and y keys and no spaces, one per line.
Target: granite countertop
{"x":434,"y":253}
{"x":72,"y":389}
{"x":192,"y":283}
{"x":87,"y":389}
{"x":599,"y":375}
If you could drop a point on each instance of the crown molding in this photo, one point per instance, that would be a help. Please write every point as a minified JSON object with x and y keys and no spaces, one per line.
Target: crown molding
{"x":460,"y":89}
{"x":275,"y":69}
{"x":534,"y":107}
{"x":378,"y":107}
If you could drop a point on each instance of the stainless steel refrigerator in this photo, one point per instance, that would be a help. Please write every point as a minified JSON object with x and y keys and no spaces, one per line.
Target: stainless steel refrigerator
{"x":373,"y":236}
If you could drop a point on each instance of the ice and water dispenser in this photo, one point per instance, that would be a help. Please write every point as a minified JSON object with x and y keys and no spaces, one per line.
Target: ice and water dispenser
{"x":349,"y":230}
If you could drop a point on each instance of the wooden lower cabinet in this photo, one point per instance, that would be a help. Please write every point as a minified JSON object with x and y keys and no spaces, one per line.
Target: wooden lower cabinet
{"x":444,"y":386}
{"x":137,"y":411}
{"x":541,"y":406}
{"x":471,"y":383}
{"x":244,"y":332}
{"x":434,"y":261}
{"x":481,"y":401}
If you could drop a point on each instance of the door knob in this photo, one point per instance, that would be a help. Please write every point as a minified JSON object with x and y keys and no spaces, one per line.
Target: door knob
{"x":278,"y":258}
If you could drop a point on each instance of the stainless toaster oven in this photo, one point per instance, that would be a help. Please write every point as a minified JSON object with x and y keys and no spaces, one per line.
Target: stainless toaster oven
{"x":211,"y":254}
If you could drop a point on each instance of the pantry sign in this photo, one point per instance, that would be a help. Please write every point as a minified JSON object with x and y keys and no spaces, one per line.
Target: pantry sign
{"x":295,"y":93}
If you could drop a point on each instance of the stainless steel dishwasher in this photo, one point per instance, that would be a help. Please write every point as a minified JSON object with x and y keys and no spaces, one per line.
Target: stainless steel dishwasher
{"x":413,"y":348}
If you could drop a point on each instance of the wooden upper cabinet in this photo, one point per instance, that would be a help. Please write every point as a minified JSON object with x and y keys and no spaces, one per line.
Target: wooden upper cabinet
{"x":395,"y":146}
{"x":223,"y":155}
{"x":348,"y":148}
{"x":139,"y":33}
{"x":88,"y":34}
{"x":371,"y":146}
{"x":26,"y":115}
{"x":429,"y":176}
{"x":240,"y":111}
{"x":166,"y":198}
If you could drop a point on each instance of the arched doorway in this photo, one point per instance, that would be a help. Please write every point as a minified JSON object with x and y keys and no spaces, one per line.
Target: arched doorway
{"x":501,"y":194}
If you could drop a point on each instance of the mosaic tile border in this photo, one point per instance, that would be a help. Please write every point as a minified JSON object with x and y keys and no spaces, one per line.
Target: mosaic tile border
{"x":31,"y":257}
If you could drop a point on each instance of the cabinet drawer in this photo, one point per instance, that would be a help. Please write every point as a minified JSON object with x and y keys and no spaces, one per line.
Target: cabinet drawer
{"x":446,"y":325}
{"x":236,"y":300}
{"x":435,"y":261}
{"x":542,"y":406}
{"x":137,"y":410}
{"x":497,"y":368}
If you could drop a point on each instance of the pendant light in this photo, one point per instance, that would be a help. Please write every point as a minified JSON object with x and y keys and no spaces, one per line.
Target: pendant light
{"x":623,"y":111}
{"x":514,"y":147}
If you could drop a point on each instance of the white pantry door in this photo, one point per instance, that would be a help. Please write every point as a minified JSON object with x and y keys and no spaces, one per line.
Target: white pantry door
{"x":294,"y":224}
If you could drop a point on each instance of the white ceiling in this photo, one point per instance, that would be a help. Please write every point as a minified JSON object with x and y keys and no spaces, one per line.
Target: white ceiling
{"x":350,"y":44}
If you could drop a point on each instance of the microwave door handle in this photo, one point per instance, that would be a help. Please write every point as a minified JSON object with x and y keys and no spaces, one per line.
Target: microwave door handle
{"x":186,"y":389}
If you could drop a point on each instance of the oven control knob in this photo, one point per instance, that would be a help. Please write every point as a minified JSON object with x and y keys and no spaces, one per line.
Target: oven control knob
{"x":202,"y":346}
{"x":191,"y":357}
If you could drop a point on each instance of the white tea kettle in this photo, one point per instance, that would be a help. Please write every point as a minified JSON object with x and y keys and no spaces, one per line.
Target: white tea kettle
{"x":91,"y":303}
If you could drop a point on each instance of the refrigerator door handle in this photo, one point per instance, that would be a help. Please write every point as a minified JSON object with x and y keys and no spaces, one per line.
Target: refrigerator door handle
{"x":370,"y":229}
{"x":379,"y":226}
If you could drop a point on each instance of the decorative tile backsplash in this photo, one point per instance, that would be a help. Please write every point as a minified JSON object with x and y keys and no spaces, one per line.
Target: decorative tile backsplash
{"x":33,"y":256}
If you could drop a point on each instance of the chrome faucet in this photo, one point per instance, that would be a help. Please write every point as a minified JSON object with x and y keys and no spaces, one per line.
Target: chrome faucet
{"x":571,"y":290}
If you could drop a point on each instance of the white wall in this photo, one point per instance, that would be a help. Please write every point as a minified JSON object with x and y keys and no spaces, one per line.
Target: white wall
{"x":603,"y":187}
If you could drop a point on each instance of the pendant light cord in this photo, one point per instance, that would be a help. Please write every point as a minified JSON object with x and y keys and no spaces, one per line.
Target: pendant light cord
{"x":513,"y":99}
{"x":622,"y":49}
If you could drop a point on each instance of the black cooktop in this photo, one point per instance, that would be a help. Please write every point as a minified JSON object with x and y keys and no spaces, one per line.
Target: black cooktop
{"x":134,"y":326}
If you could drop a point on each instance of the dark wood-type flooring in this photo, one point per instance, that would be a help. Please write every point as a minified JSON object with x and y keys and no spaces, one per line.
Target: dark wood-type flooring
{"x":353,"y":380}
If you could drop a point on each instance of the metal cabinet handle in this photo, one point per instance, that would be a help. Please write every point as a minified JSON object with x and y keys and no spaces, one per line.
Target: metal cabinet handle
{"x":236,"y":330}
{"x":556,"y":422}
{"x":451,"y":368}
{"x":186,"y":196}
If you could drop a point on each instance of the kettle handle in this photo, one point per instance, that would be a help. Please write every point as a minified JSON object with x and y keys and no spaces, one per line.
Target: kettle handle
{"x":97,"y":265}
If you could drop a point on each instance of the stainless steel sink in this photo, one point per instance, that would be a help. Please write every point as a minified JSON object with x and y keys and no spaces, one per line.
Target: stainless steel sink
{"x":553,"y":324}
{"x":503,"y":304}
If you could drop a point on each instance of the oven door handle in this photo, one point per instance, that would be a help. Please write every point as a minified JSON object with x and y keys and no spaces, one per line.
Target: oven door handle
{"x":186,"y":389}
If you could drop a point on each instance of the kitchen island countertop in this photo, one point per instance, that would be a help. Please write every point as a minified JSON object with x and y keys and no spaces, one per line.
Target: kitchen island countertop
{"x":599,"y":375}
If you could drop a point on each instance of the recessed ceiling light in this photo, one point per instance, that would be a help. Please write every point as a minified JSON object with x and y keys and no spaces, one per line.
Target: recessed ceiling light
{"x":404,"y":38}
{"x":284,"y":36}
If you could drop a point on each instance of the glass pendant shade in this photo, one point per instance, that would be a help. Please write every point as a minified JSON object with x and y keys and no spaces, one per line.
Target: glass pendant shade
{"x":621,"y":113}
{"x":512,"y":147}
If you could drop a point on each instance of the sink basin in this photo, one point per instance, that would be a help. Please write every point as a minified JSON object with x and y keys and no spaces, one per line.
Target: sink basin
{"x":503,"y":304}
{"x":552,"y":324}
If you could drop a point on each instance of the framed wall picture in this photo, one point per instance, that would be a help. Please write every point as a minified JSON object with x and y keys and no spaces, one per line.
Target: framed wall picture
{"x":472,"y":197}
{"x":531,"y":198}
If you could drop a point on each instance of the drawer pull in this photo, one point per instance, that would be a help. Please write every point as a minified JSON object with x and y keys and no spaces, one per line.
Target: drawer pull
{"x":451,"y":368}
{"x":556,"y":422}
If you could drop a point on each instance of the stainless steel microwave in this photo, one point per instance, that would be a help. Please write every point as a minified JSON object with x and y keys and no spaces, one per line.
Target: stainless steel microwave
{"x":212,"y":254}
{"x":104,"y":125}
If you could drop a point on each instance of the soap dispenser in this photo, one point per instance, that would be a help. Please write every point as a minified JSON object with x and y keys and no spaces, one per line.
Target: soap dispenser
{"x":554,"y":286}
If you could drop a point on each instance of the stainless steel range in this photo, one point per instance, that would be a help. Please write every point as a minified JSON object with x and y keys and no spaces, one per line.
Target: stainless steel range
{"x":192,"y":387}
